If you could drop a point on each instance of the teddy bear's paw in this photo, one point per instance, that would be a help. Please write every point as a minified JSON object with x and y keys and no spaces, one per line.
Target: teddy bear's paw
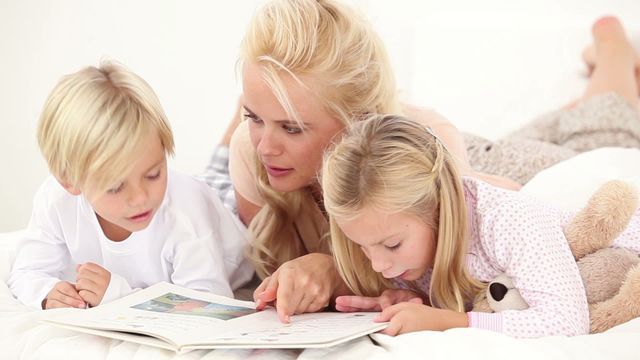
{"x":619,"y":309}
{"x":605,"y":216}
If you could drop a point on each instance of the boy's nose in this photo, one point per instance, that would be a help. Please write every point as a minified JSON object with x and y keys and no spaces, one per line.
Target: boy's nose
{"x":137,"y":197}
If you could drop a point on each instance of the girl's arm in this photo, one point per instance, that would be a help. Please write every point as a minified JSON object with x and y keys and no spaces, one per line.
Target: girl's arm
{"x":525,"y":241}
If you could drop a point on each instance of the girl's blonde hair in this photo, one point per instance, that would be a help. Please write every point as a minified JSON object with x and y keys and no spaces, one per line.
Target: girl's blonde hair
{"x":94,"y":123}
{"x":336,"y":55}
{"x":396,"y":165}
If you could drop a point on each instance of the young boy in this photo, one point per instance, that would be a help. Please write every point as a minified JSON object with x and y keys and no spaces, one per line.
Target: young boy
{"x":112,"y":212}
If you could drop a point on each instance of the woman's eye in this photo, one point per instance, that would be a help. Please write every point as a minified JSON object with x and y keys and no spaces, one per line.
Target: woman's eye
{"x":292,"y":129}
{"x":252,"y":117}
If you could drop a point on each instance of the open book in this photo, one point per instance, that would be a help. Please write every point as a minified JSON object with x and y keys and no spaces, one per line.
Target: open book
{"x":175,"y":318}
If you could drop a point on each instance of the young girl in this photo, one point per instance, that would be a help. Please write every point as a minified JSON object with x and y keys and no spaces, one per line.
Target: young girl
{"x":402,"y":216}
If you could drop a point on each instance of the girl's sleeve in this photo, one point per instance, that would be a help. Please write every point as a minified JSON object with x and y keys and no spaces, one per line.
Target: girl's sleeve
{"x":526,"y":242}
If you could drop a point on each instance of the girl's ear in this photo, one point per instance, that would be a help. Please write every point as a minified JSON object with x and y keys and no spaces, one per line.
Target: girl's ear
{"x":70,"y":188}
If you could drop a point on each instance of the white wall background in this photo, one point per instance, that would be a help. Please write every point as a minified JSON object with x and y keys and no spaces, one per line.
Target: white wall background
{"x":487,"y":65}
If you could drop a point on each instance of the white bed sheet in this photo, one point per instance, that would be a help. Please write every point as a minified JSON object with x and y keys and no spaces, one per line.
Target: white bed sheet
{"x":22,"y":336}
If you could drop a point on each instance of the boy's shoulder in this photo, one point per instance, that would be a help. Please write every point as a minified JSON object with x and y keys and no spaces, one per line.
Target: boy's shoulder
{"x":189,"y":195}
{"x":52,"y":194}
{"x":185,"y":188}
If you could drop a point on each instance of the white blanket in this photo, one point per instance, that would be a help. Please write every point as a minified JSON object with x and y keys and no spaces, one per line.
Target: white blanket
{"x":569,"y":184}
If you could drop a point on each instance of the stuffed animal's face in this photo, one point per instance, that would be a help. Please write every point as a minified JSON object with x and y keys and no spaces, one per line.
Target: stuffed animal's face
{"x":500,"y":295}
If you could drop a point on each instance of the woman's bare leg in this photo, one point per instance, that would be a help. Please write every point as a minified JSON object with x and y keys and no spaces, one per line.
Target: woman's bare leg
{"x":614,"y":62}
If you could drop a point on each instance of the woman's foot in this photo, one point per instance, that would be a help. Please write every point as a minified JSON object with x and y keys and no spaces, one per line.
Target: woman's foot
{"x":615,"y":62}
{"x":609,"y":36}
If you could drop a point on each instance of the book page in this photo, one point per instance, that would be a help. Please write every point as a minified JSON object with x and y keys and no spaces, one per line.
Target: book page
{"x":184,"y":318}
{"x":166,"y":311}
{"x":264,"y":328}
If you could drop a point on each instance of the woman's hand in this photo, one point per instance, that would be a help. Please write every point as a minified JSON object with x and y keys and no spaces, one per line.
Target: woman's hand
{"x":408,"y":317}
{"x":351,"y":303}
{"x":305,"y":284}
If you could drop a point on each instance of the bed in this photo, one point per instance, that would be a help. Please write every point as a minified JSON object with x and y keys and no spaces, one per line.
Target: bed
{"x":23,"y":336}
{"x":459,"y":76}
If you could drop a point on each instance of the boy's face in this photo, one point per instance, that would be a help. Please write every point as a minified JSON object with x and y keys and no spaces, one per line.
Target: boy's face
{"x":131,"y":204}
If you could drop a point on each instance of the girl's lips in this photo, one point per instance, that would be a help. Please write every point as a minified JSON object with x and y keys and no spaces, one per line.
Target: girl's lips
{"x":140,"y":217}
{"x":401,"y":275}
{"x":276,"y":171}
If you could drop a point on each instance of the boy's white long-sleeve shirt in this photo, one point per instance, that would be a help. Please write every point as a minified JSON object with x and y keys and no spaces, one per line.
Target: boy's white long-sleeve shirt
{"x":192,"y":241}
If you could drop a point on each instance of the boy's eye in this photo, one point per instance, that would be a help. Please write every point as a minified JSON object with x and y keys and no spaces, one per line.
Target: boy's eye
{"x":116,"y":190}
{"x":154,"y":176}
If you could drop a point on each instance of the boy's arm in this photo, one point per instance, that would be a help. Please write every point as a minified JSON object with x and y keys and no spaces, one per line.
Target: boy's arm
{"x":207,"y":249}
{"x":41,"y":258}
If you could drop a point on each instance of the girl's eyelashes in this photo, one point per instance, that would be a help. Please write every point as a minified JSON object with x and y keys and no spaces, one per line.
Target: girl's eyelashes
{"x":393,"y":247}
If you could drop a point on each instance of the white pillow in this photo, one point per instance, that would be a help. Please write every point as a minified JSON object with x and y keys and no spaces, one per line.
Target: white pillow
{"x":570,"y":183}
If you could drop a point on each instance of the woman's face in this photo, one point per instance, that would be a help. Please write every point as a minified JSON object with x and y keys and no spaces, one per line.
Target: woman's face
{"x":291,"y":153}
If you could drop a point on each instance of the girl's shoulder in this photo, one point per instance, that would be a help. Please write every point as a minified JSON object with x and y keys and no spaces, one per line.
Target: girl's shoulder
{"x":487,"y":201}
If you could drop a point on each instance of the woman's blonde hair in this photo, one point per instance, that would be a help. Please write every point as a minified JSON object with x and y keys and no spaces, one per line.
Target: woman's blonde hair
{"x":94,"y":123}
{"x":396,"y":165}
{"x":336,"y":55}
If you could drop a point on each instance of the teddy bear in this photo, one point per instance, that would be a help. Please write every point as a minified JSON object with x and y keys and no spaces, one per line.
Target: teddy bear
{"x":611,"y":276}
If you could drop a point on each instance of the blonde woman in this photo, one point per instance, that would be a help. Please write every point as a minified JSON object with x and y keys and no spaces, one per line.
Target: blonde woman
{"x":401,"y":215}
{"x":309,"y":68}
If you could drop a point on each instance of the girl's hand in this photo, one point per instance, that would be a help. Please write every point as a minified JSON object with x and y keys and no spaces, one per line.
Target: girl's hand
{"x":351,"y":303}
{"x":301,"y":285}
{"x":408,"y":317}
{"x":92,"y":281}
{"x":63,"y":294}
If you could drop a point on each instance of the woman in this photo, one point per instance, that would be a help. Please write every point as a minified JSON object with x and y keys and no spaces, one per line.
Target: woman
{"x":309,"y":68}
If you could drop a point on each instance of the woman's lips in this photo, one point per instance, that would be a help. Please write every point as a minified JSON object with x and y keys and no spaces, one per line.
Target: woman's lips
{"x":276,"y":171}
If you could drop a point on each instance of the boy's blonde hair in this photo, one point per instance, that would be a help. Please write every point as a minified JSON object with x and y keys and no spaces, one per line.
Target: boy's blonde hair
{"x":396,"y":165}
{"x":94,"y":123}
{"x":335,"y":54}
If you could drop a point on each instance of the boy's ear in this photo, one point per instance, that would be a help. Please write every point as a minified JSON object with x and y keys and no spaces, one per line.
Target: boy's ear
{"x":70,"y":188}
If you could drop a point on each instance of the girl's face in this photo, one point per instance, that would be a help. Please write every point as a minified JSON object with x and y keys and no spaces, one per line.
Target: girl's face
{"x":290,"y":153}
{"x":399,"y":245}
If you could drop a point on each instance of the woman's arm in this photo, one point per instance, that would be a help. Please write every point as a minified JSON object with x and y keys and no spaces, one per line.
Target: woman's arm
{"x":246,"y":209}
{"x":454,"y":141}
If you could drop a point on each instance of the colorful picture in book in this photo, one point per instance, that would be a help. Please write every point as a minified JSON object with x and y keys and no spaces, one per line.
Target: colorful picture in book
{"x":177,"y":304}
